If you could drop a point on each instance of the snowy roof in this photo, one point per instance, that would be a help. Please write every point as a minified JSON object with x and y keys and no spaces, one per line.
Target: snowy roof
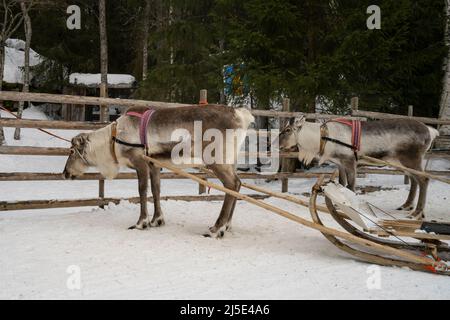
{"x":15,"y":59}
{"x":93,"y":80}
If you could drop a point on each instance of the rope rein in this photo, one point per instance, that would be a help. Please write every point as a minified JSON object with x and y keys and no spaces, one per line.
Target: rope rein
{"x":42,"y":130}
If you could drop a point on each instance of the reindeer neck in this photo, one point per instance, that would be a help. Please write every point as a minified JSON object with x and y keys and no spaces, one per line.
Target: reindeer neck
{"x":309,"y":136}
{"x":100,"y":152}
{"x":308,"y":140}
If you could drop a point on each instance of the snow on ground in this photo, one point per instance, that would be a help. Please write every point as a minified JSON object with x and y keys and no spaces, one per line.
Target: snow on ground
{"x":264,"y":257}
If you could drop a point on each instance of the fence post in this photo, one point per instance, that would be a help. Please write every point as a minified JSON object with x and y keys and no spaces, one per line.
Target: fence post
{"x":203,"y":101}
{"x":285,"y":163}
{"x":104,"y":117}
{"x":355,"y":103}
{"x":203,"y":97}
{"x":2,"y":134}
{"x":410,"y":114}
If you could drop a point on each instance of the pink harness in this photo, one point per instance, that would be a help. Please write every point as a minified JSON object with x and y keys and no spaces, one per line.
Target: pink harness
{"x":145,"y":121}
{"x":355,"y":125}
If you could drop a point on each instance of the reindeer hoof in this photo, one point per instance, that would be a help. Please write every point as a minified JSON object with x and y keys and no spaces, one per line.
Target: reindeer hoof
{"x":417,"y":215}
{"x":139,"y":226}
{"x":157,"y":223}
{"x":215,"y":233}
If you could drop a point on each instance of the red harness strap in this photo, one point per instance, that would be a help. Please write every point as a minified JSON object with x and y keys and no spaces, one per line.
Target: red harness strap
{"x":145,"y":120}
{"x":355,"y":125}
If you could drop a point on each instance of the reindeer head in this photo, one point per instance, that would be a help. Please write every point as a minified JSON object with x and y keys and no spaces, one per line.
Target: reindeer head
{"x":77,"y":163}
{"x":288,"y":136}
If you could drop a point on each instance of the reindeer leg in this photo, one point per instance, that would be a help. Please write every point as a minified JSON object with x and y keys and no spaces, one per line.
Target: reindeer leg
{"x":342,"y":176}
{"x":349,"y":167}
{"x":228,"y":226}
{"x":419,"y":211}
{"x":416,"y":164}
{"x":143,"y":174}
{"x":227,"y":175}
{"x":408,"y":205}
{"x":158,"y":218}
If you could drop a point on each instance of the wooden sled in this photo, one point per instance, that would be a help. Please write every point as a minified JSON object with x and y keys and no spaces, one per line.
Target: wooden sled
{"x":427,"y":255}
{"x":365,"y":221}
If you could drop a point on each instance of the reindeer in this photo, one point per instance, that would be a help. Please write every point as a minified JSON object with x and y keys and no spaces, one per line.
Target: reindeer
{"x":120,"y":145}
{"x":401,"y":141}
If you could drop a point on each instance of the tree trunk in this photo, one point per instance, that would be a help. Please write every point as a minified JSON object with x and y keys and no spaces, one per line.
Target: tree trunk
{"x":2,"y":70}
{"x":445,"y":97}
{"x":145,"y":39}
{"x":26,"y":75}
{"x":104,"y":113}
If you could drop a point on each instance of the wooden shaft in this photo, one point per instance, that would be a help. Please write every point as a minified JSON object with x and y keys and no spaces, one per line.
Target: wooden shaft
{"x":283,"y":196}
{"x":290,"y":216}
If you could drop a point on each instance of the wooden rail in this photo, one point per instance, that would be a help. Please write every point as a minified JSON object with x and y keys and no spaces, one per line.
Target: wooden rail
{"x":96,"y":101}
{"x":54,"y":151}
{"x":50,"y":124}
{"x":82,"y":100}
{"x":380,"y":115}
{"x":98,"y":202}
{"x":28,"y":176}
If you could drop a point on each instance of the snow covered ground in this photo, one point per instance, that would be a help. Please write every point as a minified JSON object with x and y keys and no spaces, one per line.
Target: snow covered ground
{"x":43,"y":253}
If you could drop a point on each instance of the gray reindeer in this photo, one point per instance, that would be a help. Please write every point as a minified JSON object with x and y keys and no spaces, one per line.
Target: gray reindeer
{"x":121,"y":145}
{"x":401,"y":141}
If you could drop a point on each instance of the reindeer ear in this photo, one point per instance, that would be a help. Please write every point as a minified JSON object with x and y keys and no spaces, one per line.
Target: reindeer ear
{"x":299,"y":121}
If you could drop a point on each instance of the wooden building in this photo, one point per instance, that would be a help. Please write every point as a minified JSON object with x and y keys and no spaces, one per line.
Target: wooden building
{"x":84,"y":84}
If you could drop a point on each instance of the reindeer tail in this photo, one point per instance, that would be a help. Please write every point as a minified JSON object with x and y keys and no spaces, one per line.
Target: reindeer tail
{"x":433,"y":135}
{"x":245,"y":116}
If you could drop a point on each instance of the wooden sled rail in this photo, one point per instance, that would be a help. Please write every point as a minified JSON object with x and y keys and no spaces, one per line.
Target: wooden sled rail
{"x":420,"y":260}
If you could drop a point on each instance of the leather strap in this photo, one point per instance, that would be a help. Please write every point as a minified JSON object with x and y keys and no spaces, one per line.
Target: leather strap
{"x":113,"y":141}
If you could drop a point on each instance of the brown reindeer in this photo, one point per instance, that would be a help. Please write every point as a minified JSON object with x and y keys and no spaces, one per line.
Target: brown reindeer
{"x":120,"y":145}
{"x":402,"y":141}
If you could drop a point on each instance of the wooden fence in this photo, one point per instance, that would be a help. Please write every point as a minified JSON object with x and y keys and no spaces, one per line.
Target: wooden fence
{"x":102,"y":200}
